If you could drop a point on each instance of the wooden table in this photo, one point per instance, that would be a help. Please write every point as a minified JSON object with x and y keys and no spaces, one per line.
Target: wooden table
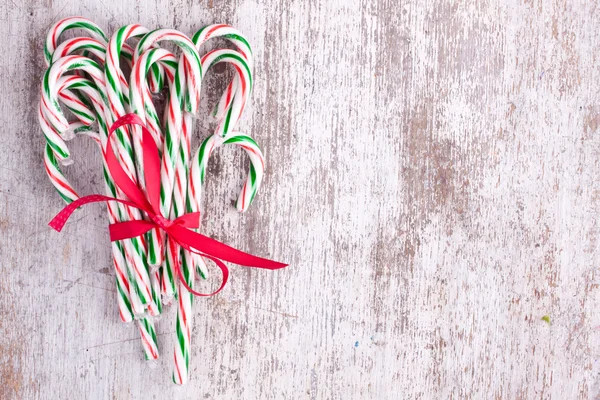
{"x":433,"y":180}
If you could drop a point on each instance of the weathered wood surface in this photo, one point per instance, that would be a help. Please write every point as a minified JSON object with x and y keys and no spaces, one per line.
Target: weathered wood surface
{"x":433,"y":180}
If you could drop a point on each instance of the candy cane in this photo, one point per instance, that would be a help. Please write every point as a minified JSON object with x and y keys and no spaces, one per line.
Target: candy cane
{"x":189,"y":53}
{"x":145,"y":325}
{"x":242,"y":46}
{"x":179,"y":99}
{"x":70,"y":23}
{"x":120,"y":254}
{"x":180,"y":195}
{"x":225,"y":128}
{"x":82,"y":109}
{"x":120,"y":104}
{"x":54,"y":114}
{"x":137,"y":90}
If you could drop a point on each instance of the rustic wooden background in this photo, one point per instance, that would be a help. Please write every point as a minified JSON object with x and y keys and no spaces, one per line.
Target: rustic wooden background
{"x":433,"y":179}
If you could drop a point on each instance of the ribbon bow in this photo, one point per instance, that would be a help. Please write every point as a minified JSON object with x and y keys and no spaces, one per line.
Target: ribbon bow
{"x":178,"y":230}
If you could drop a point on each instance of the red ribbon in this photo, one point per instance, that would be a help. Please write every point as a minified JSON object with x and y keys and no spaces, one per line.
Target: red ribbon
{"x":178,"y":230}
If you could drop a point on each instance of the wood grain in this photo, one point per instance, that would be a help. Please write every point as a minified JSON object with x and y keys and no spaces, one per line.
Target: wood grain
{"x":432,"y":179}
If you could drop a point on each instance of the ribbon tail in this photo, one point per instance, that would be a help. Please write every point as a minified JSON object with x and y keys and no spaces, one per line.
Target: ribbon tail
{"x":216,"y":249}
{"x":118,"y":231}
{"x":59,"y":221}
{"x":219,"y":263}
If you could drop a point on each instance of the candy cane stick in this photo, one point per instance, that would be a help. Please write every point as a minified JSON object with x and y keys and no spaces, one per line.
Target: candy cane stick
{"x":177,"y":102}
{"x":120,"y":105}
{"x":70,"y":23}
{"x":190,"y":59}
{"x":54,"y":114}
{"x":146,"y":325}
{"x":97,"y":33}
{"x":189,"y":53}
{"x":69,"y":194}
{"x":142,"y":284}
{"x":115,"y":214}
{"x":190,"y":260}
{"x":138,"y":101}
{"x":242,"y":46}
{"x":118,"y":95}
{"x":230,"y":119}
{"x":76,"y":104}
{"x":184,"y":310}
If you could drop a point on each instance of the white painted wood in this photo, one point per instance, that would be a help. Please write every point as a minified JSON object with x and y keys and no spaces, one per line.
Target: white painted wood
{"x":432,"y":178}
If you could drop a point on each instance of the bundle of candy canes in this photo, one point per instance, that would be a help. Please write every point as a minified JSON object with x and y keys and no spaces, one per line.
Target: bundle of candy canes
{"x":89,"y":76}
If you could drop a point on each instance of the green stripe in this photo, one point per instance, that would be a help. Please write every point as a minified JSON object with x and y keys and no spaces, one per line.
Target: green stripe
{"x":200,"y":159}
{"x":47,"y":54}
{"x":180,"y":335}
{"x":81,"y":114}
{"x":51,"y":156}
{"x":56,"y":149}
{"x":95,"y":47}
{"x":109,"y":182}
{"x":110,"y":79}
{"x":170,"y":276}
{"x":120,"y":34}
{"x":241,"y":138}
{"x":252,"y":173}
{"x":236,"y":57}
{"x":170,"y":63}
{"x":197,"y":34}
{"x":152,"y":250}
{"x":143,"y":39}
{"x":83,"y":98}
{"x":227,"y":120}
{"x":67,"y":200}
{"x":123,"y":296}
{"x":234,"y":36}
{"x":85,"y":25}
{"x":157,"y":75}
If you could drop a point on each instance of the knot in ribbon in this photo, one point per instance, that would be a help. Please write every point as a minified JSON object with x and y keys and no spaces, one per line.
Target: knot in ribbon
{"x":179,"y":231}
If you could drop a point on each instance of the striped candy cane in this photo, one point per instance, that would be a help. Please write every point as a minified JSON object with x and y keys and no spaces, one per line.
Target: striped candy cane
{"x":82,"y":109}
{"x":71,"y":23}
{"x":234,"y":111}
{"x":181,"y":196}
{"x":118,"y":95}
{"x":139,"y":101}
{"x":179,"y":99}
{"x":196,"y":181}
{"x":136,"y":245}
{"x":54,"y":115}
{"x":190,"y":54}
{"x":242,"y":46}
{"x":185,"y":301}
{"x":68,"y":193}
{"x":119,"y":253}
